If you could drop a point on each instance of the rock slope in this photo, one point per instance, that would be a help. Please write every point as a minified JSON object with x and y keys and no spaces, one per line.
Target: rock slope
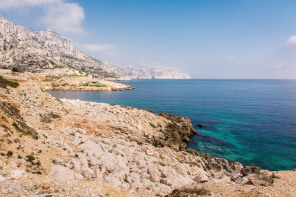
{"x":76,"y":82}
{"x":134,"y":72}
{"x":37,"y":51}
{"x":42,"y":51}
{"x":50,"y":145}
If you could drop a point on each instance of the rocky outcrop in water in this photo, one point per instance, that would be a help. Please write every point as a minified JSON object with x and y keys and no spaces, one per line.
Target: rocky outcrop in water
{"x":176,"y":134}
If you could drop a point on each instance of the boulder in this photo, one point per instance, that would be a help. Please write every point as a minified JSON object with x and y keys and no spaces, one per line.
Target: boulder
{"x":88,"y":172}
{"x":15,"y":174}
{"x":225,"y":180}
{"x":107,"y":162}
{"x":61,"y":173}
{"x":1,"y":178}
{"x":154,"y":173}
{"x":171,"y":178}
{"x":260,"y":179}
{"x":201,"y":178}
{"x":236,"y":166}
{"x":133,"y":177}
{"x":220,"y":164}
{"x":77,"y":140}
{"x":250,"y":170}
{"x":83,"y":160}
{"x":78,"y":176}
{"x":192,"y":151}
{"x":91,"y":148}
{"x":76,"y":165}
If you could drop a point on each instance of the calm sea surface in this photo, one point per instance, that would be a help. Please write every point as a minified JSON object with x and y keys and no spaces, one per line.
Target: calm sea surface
{"x":251,"y":121}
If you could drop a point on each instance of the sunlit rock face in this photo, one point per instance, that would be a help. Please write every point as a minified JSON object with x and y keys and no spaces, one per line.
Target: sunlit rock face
{"x":38,"y":50}
{"x":134,"y":72}
{"x":35,"y":51}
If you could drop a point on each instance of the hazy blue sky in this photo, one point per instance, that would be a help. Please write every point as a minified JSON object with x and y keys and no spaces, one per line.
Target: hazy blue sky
{"x":205,"y":38}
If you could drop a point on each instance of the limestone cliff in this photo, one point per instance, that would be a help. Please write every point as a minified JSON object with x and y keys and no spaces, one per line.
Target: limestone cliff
{"x":135,"y":72}
{"x":37,"y":51}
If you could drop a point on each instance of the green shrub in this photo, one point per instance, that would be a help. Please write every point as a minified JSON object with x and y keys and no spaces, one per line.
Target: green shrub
{"x":47,"y":80}
{"x":83,"y":84}
{"x":4,"y":67}
{"x":74,"y":75}
{"x":15,"y":69}
{"x":101,"y":86}
{"x":30,"y":158}
{"x":57,"y":77}
{"x":4,"y":83}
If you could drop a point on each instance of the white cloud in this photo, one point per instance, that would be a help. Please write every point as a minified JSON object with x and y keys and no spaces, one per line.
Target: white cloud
{"x":282,"y":63}
{"x":100,"y":51}
{"x":291,"y":40}
{"x":7,"y":4}
{"x":64,"y":17}
{"x":98,"y":48}
{"x":59,"y":15}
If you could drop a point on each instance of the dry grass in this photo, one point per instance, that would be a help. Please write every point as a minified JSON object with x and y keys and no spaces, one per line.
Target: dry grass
{"x":84,"y":127}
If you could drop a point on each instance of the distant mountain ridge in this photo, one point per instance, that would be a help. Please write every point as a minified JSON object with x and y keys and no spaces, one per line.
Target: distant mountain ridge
{"x":135,"y":72}
{"x":37,"y":51}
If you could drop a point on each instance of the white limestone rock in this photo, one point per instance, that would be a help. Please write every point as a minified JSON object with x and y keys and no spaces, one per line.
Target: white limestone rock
{"x":78,"y":176}
{"x":154,"y":173}
{"x":61,"y":173}
{"x":201,"y":178}
{"x":2,"y":178}
{"x":15,"y":174}
{"x":76,"y":165}
{"x":91,"y":148}
{"x":88,"y":172}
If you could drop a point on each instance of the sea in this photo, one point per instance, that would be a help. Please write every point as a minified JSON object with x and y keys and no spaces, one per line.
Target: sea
{"x":250,"y":121}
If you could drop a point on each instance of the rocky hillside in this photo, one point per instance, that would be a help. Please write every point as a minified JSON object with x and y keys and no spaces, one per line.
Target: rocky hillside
{"x":38,"y":51}
{"x":74,"y":148}
{"x":134,"y":72}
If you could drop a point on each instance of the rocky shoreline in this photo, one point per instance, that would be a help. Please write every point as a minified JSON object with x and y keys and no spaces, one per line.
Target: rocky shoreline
{"x":75,"y":148}
{"x":74,"y":88}
{"x":79,"y":83}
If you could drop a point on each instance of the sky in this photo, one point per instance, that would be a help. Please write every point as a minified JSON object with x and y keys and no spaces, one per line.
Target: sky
{"x":205,"y":38}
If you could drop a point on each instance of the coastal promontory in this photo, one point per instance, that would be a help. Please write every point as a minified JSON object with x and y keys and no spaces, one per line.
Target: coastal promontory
{"x":60,"y":147}
{"x":76,"y":148}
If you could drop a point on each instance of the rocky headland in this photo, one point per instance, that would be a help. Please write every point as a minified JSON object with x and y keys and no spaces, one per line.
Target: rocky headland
{"x":77,"y":82}
{"x":52,"y":147}
{"x":137,"y":72}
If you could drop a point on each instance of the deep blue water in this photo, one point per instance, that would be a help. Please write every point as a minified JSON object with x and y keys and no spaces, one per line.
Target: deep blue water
{"x":251,"y":121}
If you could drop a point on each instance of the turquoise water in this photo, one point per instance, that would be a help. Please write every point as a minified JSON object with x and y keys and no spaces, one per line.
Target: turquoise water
{"x":251,"y":121}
